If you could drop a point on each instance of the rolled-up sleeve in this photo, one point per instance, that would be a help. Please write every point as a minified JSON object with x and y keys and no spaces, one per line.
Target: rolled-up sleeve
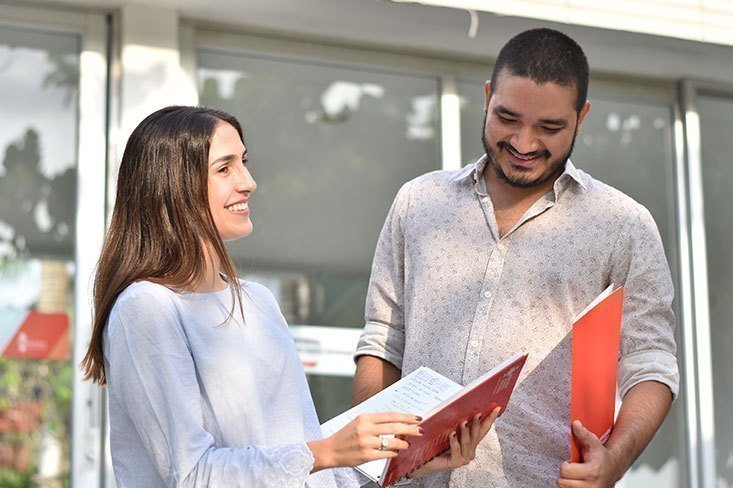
{"x":648,"y":347}
{"x":384,"y":332}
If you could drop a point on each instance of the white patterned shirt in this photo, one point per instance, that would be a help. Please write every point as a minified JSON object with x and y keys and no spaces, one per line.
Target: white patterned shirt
{"x":447,"y":292}
{"x":194,"y":403}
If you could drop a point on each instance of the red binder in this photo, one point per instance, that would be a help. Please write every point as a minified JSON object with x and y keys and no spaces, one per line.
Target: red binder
{"x":595,"y":348}
{"x":482,"y":395}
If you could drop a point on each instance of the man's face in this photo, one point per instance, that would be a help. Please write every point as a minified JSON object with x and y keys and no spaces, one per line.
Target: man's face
{"x":529,"y":130}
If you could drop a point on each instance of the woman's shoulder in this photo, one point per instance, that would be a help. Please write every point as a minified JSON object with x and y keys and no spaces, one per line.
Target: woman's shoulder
{"x":147,"y":291}
{"x":146,"y":297}
{"x":255,"y":289}
{"x":145,"y":306}
{"x":260,"y":296}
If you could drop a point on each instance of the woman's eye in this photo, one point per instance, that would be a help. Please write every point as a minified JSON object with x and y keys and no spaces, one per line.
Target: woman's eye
{"x":223,"y":170}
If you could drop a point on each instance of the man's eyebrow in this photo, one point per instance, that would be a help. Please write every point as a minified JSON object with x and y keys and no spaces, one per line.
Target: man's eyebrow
{"x":559,"y":122}
{"x":505,"y":111}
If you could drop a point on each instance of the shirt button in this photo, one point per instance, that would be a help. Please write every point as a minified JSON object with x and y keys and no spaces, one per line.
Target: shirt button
{"x":487,"y":294}
{"x":474,"y":343}
{"x":500,"y":247}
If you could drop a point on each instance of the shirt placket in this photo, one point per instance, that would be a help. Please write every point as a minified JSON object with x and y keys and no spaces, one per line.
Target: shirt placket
{"x":492,"y":274}
{"x":473,"y":366}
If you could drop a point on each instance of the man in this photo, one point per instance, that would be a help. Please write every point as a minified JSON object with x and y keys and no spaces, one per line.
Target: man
{"x":473,"y":266}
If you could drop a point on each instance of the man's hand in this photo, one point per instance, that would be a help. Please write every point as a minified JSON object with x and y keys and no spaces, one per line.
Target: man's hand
{"x":644,"y":407}
{"x":599,"y":468}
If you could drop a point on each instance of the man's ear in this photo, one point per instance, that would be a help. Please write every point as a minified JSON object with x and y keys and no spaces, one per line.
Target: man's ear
{"x":487,"y":92}
{"x":581,"y":116}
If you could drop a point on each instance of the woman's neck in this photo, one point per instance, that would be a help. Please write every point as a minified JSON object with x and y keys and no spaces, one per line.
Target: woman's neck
{"x":212,"y":279}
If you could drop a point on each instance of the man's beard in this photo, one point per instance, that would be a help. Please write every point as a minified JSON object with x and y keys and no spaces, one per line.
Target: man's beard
{"x":520,"y":181}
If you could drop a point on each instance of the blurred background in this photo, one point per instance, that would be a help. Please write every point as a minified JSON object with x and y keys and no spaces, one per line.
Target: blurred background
{"x":342,"y":102}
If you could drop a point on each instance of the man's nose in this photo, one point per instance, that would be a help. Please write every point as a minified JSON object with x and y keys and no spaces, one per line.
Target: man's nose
{"x":525,"y":140}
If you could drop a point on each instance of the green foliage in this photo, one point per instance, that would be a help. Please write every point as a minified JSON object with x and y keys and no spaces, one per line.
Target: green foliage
{"x":48,"y":382}
{"x":13,"y":479}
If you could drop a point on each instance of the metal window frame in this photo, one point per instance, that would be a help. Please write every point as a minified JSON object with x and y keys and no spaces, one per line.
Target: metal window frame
{"x":701,"y":420}
{"x":445,"y":71}
{"x":91,"y":170}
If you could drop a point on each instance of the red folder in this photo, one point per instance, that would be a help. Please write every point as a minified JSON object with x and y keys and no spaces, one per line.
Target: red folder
{"x":595,"y":348}
{"x":484,"y":394}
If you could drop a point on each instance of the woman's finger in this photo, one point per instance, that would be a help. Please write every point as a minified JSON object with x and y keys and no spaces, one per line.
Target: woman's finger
{"x":465,"y":439}
{"x":397,"y":429}
{"x":475,"y":432}
{"x":488,"y":422}
{"x":394,"y":443}
{"x":391,"y":417}
{"x":455,"y":450}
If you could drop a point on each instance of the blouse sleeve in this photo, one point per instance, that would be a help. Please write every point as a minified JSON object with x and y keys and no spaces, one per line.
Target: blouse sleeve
{"x":152,"y":380}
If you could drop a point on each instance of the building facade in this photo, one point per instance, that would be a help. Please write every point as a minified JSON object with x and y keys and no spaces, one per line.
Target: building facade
{"x":341,"y":102}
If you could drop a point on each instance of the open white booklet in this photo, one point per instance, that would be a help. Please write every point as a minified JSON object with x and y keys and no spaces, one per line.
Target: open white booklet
{"x":441,"y":402}
{"x":416,"y":394}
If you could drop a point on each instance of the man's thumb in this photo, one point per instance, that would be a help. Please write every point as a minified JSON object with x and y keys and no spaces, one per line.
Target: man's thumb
{"x":587,"y":438}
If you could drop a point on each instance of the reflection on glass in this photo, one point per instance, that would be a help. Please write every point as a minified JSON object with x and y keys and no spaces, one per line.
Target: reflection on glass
{"x":38,"y":93}
{"x":628,"y":145}
{"x":471,"y":93}
{"x":716,"y":127}
{"x":329,"y":147}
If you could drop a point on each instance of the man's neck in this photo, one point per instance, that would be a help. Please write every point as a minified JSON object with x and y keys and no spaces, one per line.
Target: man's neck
{"x":505,"y":196}
{"x":511,"y":202}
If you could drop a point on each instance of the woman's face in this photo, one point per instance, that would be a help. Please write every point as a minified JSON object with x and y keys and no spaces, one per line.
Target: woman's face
{"x":230,"y":183}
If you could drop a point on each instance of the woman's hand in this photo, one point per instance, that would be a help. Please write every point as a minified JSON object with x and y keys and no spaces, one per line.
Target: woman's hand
{"x":359,"y":441}
{"x":461,"y":452}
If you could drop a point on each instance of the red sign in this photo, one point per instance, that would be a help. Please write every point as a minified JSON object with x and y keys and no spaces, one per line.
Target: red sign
{"x":41,"y":336}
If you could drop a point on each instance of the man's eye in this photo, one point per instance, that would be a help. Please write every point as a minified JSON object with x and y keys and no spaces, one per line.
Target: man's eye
{"x":505,"y":120}
{"x":552,"y":130}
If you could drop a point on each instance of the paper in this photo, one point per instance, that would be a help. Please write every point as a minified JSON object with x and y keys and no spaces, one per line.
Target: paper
{"x":417,"y":394}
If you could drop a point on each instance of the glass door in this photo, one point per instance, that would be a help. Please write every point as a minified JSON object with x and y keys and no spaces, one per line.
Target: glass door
{"x":715,"y":111}
{"x":45,"y":105}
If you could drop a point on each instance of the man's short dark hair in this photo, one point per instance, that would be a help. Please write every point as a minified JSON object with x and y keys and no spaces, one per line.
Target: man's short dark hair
{"x":545,"y":56}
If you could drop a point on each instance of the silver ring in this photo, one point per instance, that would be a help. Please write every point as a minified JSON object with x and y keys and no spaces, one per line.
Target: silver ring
{"x":383,"y":444}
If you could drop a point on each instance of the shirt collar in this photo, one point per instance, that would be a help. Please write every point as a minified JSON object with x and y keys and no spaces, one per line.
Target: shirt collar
{"x":475,"y":172}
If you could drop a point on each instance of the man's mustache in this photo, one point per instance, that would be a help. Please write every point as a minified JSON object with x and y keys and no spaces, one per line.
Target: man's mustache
{"x":536,"y":154}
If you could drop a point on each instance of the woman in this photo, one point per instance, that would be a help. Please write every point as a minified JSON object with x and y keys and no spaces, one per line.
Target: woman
{"x":204,"y":383}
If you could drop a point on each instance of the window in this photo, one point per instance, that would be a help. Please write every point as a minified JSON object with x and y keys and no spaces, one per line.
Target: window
{"x":39,"y":83}
{"x":329,"y":146}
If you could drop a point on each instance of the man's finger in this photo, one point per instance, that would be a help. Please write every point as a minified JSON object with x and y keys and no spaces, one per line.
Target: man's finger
{"x":573,"y":471}
{"x":588,"y":439}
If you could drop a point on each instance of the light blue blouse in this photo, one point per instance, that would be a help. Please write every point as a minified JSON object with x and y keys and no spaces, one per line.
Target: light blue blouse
{"x":195,"y":402}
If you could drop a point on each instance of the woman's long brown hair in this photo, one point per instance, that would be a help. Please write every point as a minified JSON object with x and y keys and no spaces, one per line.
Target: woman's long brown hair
{"x":161,"y":228}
